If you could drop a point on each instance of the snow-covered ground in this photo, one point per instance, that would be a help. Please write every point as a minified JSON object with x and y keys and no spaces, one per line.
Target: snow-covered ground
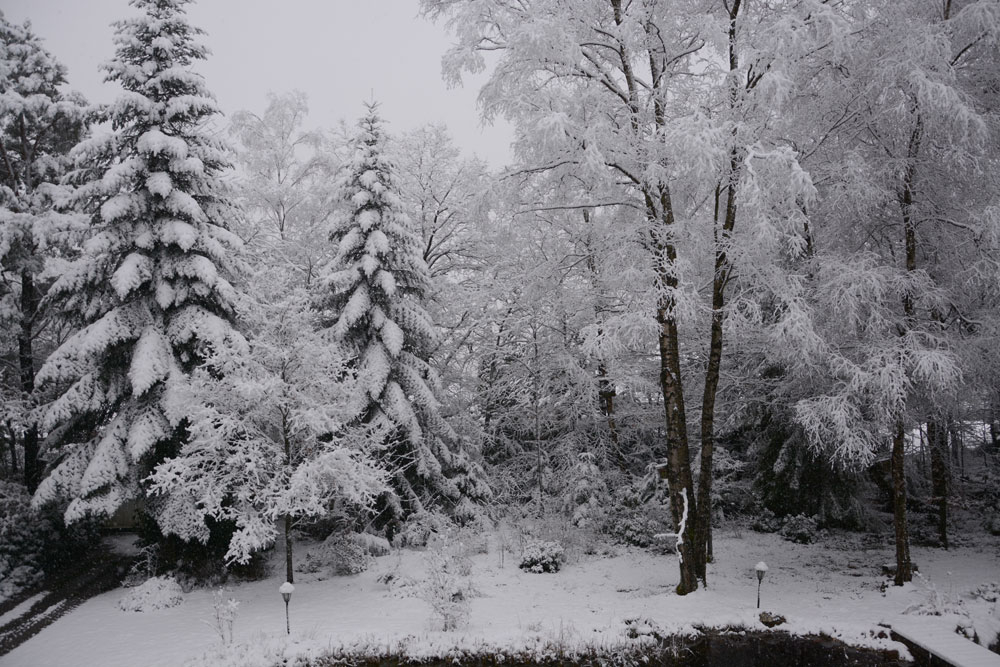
{"x":834,"y":587}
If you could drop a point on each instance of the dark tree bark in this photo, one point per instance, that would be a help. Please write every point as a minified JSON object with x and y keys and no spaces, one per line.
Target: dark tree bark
{"x":677,"y":471}
{"x":11,"y":438}
{"x":723,"y":234}
{"x":937,"y":436}
{"x":289,"y":574}
{"x":26,"y":361}
{"x":605,"y":389}
{"x":904,"y":568}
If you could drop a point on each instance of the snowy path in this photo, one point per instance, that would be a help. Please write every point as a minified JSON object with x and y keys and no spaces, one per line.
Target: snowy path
{"x":28,"y":614}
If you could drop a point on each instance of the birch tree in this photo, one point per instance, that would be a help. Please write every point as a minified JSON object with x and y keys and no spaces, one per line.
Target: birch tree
{"x":284,"y":187}
{"x":669,"y":107}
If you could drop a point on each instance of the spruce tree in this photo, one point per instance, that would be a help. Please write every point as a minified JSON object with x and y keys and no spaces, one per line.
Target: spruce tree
{"x":372,"y":299}
{"x":39,"y":124}
{"x":149,"y":290}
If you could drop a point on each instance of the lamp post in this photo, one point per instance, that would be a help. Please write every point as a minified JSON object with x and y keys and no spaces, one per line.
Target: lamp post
{"x":286,"y":591}
{"x":760,"y":568}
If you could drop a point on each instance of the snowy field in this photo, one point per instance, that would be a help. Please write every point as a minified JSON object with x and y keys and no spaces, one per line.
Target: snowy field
{"x":834,"y":587}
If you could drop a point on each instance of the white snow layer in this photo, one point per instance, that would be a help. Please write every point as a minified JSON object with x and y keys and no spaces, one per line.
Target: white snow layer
{"x":818,"y":588}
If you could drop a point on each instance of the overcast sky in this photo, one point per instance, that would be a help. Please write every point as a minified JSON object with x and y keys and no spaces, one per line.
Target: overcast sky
{"x":337,"y":51}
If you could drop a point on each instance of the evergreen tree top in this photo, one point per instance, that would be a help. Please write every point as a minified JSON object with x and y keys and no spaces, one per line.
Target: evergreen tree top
{"x":153,"y":56}
{"x":38,"y":122}
{"x":26,"y":67}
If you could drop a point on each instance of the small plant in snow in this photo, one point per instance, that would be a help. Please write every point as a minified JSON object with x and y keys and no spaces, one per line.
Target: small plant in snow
{"x":447,"y":589}
{"x":989,"y":592}
{"x":542,"y":557}
{"x":936,"y":603}
{"x":155,"y":593}
{"x":224,"y":616}
{"x":144,"y":566}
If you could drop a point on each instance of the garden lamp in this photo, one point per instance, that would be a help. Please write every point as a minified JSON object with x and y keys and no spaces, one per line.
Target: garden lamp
{"x":286,"y":591}
{"x":760,"y":568}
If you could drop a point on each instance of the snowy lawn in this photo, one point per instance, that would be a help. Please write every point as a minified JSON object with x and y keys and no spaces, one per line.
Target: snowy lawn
{"x":834,"y":587}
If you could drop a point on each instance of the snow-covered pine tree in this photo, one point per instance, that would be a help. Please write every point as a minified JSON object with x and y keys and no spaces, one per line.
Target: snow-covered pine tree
{"x":39,"y":124}
{"x":149,"y":291}
{"x":371,"y":297}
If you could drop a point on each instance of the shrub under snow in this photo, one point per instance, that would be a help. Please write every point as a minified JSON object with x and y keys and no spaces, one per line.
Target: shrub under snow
{"x":155,"y":593}
{"x":338,"y":554}
{"x":542,"y":557}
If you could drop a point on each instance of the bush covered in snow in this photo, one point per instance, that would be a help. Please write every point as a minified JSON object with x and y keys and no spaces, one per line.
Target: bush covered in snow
{"x":339,"y":554}
{"x":542,"y":557}
{"x":373,"y":544}
{"x":800,"y":529}
{"x":418,"y":529}
{"x":585,"y":497}
{"x":32,"y":542}
{"x":635,"y":530}
{"x":766,"y":522}
{"x":639,"y":514}
{"x":155,"y":593}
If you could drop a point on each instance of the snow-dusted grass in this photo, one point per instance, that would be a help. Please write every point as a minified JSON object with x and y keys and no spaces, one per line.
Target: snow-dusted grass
{"x":833,"y":587}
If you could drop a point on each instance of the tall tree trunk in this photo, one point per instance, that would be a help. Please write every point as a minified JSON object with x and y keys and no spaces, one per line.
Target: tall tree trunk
{"x":677,"y":471}
{"x":703,"y":524}
{"x":289,"y":574}
{"x":937,"y":436}
{"x":957,"y":444}
{"x":904,"y":568}
{"x":605,"y":389}
{"x":26,"y":360}
{"x":537,"y":426}
{"x":995,"y":431}
{"x":11,"y":438}
{"x":730,"y":182}
{"x":286,"y":439}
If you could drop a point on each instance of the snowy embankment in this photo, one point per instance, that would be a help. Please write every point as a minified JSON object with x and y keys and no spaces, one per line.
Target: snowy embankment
{"x":834,"y":587}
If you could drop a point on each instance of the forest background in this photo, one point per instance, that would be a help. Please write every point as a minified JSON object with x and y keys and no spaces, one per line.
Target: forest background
{"x":746,"y":260}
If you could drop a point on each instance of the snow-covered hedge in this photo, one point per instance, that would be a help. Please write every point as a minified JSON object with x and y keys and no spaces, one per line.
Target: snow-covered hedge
{"x":542,"y":557}
{"x":155,"y":593}
{"x":338,"y":554}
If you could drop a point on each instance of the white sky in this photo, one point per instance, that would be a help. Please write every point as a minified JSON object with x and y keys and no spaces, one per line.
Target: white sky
{"x":337,"y":51}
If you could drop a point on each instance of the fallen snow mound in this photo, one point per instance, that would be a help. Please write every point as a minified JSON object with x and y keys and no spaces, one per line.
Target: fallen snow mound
{"x":155,"y":593}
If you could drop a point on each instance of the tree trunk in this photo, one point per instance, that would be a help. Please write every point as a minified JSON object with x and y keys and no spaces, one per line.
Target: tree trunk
{"x":723,"y":234}
{"x":289,"y":574}
{"x":957,"y":444}
{"x":677,"y":471}
{"x":605,"y":389}
{"x":904,"y":568}
{"x":937,"y":435}
{"x":12,"y":444}
{"x":26,"y":360}
{"x":995,"y":434}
